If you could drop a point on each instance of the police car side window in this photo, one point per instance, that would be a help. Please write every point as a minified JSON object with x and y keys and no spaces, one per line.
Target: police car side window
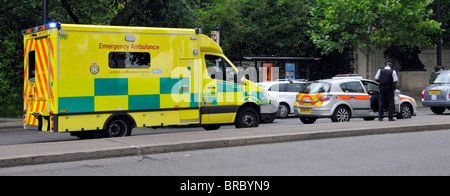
{"x":370,"y":86}
{"x":129,"y":60}
{"x":352,"y":87}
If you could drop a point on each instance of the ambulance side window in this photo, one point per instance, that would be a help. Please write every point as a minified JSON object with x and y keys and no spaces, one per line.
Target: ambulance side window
{"x":31,"y":65}
{"x":129,"y":60}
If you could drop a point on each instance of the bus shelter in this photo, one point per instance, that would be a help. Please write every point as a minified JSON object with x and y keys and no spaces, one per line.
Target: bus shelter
{"x":271,"y":68}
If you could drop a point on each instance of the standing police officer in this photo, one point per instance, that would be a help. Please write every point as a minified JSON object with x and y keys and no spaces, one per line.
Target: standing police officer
{"x":387,"y":78}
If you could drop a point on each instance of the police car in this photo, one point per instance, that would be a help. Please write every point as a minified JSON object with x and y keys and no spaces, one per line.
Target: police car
{"x":344,"y":97}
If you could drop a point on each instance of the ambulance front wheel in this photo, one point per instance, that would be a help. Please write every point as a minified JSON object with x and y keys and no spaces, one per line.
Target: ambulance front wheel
{"x":117,"y":127}
{"x":247,"y":117}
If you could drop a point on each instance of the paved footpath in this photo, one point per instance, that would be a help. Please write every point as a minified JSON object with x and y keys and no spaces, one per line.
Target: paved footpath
{"x":52,"y":152}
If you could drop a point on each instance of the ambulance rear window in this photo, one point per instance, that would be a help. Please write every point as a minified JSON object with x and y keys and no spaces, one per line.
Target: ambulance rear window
{"x":31,"y":65}
{"x":129,"y":60}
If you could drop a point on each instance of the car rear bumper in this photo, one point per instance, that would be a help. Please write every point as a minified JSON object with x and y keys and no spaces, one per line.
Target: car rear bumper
{"x":317,"y":112}
{"x":435,"y":103}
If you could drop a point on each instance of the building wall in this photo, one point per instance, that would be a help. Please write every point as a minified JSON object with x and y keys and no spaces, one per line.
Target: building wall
{"x":411,"y":81}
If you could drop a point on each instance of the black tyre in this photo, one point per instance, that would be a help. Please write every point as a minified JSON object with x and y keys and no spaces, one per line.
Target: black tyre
{"x":247,"y":117}
{"x":284,"y":110}
{"x":268,"y":118}
{"x":438,"y":110}
{"x":406,"y":111}
{"x":117,"y":127}
{"x":341,"y":114}
{"x":211,"y":127}
{"x":308,"y":120}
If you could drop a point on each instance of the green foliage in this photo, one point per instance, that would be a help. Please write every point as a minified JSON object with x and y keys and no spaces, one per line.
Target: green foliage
{"x":367,"y":25}
{"x":264,"y":27}
{"x":13,"y":18}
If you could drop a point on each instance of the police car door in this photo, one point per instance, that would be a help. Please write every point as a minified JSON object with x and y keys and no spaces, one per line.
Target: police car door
{"x":357,"y":97}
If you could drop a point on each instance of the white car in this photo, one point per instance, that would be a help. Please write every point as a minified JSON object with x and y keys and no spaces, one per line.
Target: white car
{"x":285,"y":92}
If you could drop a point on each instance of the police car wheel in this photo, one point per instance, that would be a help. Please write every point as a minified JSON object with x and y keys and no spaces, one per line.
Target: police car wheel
{"x":247,"y":117}
{"x":341,"y":114}
{"x":308,"y":120}
{"x":405,"y":111}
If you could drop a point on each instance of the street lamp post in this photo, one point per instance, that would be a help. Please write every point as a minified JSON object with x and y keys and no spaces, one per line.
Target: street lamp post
{"x":45,"y":10}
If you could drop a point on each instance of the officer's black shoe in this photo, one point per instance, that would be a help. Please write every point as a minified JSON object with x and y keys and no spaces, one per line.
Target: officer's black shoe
{"x":391,"y":119}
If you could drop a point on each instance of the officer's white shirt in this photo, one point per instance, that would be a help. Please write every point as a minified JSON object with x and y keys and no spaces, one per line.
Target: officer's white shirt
{"x":394,"y":74}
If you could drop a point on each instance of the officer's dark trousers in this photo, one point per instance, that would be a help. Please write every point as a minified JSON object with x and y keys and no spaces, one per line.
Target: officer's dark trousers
{"x":386,"y":98}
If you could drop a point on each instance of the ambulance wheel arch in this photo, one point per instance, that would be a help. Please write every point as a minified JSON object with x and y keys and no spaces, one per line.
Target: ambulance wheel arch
{"x":118,"y":125}
{"x":247,"y":116}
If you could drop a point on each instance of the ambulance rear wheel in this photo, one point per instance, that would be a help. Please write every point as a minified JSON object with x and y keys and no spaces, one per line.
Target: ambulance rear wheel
{"x":117,"y":127}
{"x":247,"y":117}
{"x":211,"y":127}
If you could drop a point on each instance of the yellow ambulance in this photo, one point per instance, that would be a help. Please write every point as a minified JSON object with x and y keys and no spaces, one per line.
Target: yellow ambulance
{"x":103,"y":81}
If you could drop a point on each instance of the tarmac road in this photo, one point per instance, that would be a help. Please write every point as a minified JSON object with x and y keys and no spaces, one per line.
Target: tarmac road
{"x":418,"y":153}
{"x":45,"y":148}
{"x":12,"y":136}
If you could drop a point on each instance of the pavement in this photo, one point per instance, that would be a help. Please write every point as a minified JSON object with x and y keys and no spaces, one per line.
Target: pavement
{"x":66,"y":151}
{"x":10,"y":123}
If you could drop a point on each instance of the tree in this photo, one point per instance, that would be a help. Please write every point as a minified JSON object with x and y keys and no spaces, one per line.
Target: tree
{"x":260,"y":27}
{"x":14,"y":17}
{"x":337,"y":25}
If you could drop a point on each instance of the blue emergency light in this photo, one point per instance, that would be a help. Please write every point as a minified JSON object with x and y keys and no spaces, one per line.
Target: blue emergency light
{"x":346,"y":75}
{"x":52,"y":25}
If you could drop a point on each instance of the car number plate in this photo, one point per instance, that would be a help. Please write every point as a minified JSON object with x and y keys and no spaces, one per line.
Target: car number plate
{"x":435,"y":92}
{"x":305,"y":110}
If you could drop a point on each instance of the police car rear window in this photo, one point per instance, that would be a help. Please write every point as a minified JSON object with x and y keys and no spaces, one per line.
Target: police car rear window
{"x":129,"y":60}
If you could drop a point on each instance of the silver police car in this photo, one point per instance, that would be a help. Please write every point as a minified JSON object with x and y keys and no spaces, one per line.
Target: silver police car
{"x":437,"y":94}
{"x":344,"y":97}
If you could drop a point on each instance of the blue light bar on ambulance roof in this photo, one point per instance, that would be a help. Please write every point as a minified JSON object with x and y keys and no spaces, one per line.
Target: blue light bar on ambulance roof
{"x":52,"y":25}
{"x":346,"y":75}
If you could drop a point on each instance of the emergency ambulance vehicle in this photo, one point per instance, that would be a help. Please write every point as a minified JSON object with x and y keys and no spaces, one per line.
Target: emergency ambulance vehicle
{"x":103,"y":81}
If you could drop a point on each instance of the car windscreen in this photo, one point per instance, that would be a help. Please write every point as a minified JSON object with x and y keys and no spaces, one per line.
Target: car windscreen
{"x":440,"y":78}
{"x":316,"y":87}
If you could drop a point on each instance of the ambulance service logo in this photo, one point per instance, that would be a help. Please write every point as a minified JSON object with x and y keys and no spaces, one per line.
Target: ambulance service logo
{"x":94,"y":68}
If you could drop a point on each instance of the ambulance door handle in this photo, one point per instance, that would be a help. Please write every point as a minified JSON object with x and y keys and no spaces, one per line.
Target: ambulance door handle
{"x":352,"y":97}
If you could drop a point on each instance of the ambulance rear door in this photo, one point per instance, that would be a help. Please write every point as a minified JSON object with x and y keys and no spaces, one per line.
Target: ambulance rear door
{"x":39,"y":55}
